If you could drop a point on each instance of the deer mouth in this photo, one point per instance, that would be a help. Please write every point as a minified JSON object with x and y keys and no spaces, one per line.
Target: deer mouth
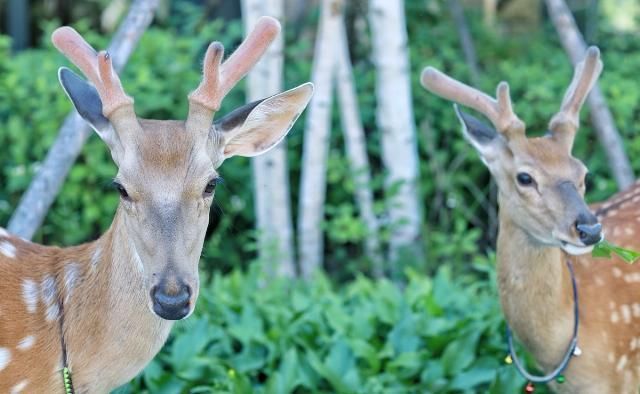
{"x":574,"y":249}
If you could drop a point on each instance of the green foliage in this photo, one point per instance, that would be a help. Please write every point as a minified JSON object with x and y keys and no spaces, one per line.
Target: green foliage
{"x":459,"y":203}
{"x":443,"y":331}
{"x":248,"y":335}
{"x":607,"y":250}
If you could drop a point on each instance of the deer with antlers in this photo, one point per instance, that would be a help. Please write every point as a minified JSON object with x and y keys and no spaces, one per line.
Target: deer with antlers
{"x":102,"y":310}
{"x":546,"y":234}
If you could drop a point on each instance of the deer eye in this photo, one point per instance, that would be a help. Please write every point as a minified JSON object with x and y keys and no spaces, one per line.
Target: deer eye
{"x":211,"y":186}
{"x":123,"y":192}
{"x":524,"y":179}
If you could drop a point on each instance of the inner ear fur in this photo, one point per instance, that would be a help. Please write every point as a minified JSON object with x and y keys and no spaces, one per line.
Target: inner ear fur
{"x":256,"y":127}
{"x":484,"y":138}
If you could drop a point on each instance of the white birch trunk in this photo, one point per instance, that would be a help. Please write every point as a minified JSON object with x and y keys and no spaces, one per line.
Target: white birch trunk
{"x":395,"y":120}
{"x":270,"y":171}
{"x":357,"y":149}
{"x":316,"y":142}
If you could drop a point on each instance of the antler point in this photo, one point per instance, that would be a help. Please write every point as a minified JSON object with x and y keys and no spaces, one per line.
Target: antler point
{"x":428,"y":76}
{"x":593,"y":51}
{"x":269,"y":22}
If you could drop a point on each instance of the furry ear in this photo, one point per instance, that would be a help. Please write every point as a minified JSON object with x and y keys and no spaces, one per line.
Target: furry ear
{"x":254,"y":128}
{"x":484,"y":138}
{"x":87,"y":102}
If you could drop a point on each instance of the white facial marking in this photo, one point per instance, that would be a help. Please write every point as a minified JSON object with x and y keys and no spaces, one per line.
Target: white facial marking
{"x":5,"y":357}
{"x":96,"y":257}
{"x":626,"y":313}
{"x":635,"y":309}
{"x":633,"y":344}
{"x":26,"y":343}
{"x":71,"y":273}
{"x":48,"y":293}
{"x":19,"y":387}
{"x":30,"y":295}
{"x":7,"y":249}
{"x":628,"y":230}
{"x":621,"y":363}
{"x":575,"y":250}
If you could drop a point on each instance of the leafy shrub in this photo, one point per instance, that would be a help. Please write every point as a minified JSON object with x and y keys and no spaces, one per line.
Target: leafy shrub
{"x":454,"y":187}
{"x":439,"y":334}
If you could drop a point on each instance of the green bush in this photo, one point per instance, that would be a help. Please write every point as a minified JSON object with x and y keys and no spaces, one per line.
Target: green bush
{"x":441,"y":334}
{"x":454,"y":187}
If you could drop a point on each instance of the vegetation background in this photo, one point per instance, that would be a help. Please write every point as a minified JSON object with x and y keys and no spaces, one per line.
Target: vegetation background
{"x":434,"y":324}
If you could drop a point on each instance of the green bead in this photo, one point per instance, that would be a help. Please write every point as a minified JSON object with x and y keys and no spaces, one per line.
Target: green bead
{"x":560,"y":379}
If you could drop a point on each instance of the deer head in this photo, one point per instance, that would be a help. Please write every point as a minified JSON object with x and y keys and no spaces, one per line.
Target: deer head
{"x":541,"y":184}
{"x":167,"y":168}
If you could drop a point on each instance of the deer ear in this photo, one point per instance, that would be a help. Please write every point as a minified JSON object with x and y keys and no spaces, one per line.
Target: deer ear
{"x":484,"y":138}
{"x":255,"y":128}
{"x":87,"y":102}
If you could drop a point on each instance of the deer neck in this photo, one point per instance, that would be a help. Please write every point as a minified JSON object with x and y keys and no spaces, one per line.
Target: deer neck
{"x":535,"y":292}
{"x":109,"y":329}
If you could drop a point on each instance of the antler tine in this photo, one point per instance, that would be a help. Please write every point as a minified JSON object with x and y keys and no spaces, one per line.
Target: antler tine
{"x":499,"y":112}
{"x":96,"y":67}
{"x":219,"y":79}
{"x":585,"y":76}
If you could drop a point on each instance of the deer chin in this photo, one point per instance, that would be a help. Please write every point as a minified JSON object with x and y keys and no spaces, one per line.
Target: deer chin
{"x":574,"y":249}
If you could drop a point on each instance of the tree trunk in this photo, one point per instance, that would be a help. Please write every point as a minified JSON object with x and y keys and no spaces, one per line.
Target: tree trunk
{"x":357,"y":149}
{"x":270,"y":171}
{"x":466,"y":41}
{"x":44,"y":188}
{"x":395,"y":120}
{"x":490,"y":10}
{"x":316,"y":142}
{"x":608,"y":135}
{"x":18,"y":23}
{"x":296,"y":11}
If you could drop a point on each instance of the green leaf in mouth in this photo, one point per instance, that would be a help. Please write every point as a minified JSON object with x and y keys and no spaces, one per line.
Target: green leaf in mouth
{"x":606,"y":249}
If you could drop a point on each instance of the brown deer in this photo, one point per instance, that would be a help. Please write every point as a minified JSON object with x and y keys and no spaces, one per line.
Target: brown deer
{"x":105,"y":308}
{"x":545,"y":226}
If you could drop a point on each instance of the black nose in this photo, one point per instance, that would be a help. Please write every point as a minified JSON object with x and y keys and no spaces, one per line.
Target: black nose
{"x":589,"y":230}
{"x":171,"y":302}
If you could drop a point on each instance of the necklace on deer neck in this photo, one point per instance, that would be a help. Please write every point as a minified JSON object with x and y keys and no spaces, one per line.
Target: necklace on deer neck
{"x":572,"y":350}
{"x":66,"y":372}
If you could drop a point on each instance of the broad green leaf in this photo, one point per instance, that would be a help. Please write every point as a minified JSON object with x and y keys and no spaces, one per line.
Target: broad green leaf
{"x":605,"y":249}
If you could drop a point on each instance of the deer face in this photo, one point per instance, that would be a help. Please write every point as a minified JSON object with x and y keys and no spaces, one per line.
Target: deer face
{"x":167,"y":170}
{"x":541,"y":185}
{"x":165,"y":192}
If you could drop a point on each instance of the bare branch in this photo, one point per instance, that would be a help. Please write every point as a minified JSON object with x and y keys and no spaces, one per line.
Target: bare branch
{"x":601,"y":117}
